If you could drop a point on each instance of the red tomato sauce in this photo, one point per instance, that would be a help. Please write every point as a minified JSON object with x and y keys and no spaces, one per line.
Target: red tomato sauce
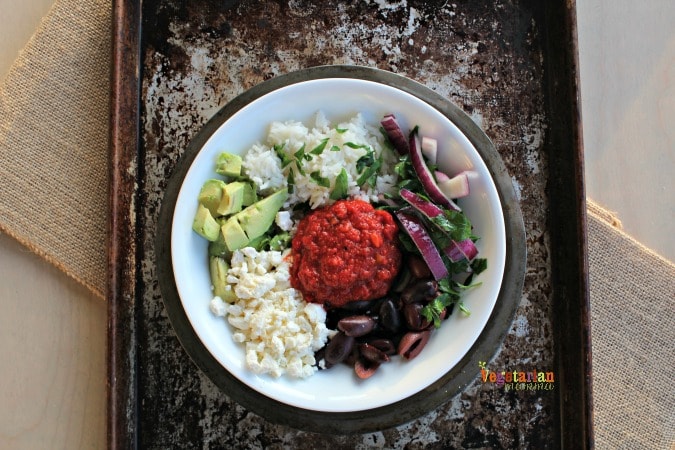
{"x":345,"y":252}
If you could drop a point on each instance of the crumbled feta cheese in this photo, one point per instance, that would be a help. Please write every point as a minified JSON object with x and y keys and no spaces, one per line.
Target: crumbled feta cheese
{"x":218,"y":306}
{"x":284,"y":221}
{"x":280,"y":330}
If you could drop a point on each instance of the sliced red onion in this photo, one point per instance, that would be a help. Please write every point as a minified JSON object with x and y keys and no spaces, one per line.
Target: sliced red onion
{"x":457,"y":251}
{"x":415,"y":229}
{"x":455,"y":187}
{"x":395,"y":134}
{"x":430,"y":149}
{"x":429,"y":209}
{"x":425,"y":175}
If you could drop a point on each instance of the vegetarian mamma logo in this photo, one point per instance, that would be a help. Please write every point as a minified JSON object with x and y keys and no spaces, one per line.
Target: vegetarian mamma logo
{"x":531,"y":380}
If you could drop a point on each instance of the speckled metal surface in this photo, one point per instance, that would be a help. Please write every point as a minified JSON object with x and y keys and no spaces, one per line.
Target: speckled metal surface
{"x":485,"y":56}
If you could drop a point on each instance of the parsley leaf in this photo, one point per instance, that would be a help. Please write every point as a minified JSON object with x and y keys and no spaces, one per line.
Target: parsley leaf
{"x":341,"y":185}
{"x":321,"y":181}
{"x":319,"y":148}
{"x":283,"y":156}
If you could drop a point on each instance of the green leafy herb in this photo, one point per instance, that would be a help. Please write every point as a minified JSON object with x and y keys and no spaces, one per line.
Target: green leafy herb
{"x":357,"y":146}
{"x":283,"y":156}
{"x":280,"y":241}
{"x":321,"y":181}
{"x":449,"y":295}
{"x":341,"y":185}
{"x":335,"y":148}
{"x":478,"y":265}
{"x":300,"y":154}
{"x":290,"y":180}
{"x":319,"y":148}
{"x":341,"y":130}
{"x":369,"y":175}
{"x":455,"y":224}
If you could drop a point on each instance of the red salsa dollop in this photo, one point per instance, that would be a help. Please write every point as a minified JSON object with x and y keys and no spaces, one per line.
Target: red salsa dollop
{"x":345,"y":252}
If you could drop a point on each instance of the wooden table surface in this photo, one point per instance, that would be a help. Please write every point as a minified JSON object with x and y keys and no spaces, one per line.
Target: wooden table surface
{"x":52,"y":332}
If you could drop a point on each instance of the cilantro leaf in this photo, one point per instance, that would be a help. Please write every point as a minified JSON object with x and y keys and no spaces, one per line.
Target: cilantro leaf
{"x":283,"y":156}
{"x":341,"y":185}
{"x":321,"y":181}
{"x":319,"y":148}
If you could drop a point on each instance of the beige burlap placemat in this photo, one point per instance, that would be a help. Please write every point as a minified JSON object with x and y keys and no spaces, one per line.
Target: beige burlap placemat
{"x":633,"y":328}
{"x":54,"y":106}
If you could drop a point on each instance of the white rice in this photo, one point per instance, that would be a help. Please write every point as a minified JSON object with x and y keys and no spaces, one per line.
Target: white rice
{"x":262,"y":164}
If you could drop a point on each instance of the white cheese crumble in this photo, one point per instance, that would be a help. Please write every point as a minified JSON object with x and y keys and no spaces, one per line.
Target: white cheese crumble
{"x":279,"y":330}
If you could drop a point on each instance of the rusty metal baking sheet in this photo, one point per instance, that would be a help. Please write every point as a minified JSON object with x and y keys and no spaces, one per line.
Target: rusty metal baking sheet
{"x":510,"y":65}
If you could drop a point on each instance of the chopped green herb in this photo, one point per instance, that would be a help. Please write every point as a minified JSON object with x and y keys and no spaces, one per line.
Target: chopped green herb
{"x":455,"y":224}
{"x":319,"y":148}
{"x":369,"y":175}
{"x":366,"y":160}
{"x":449,"y":295}
{"x":300,"y":154}
{"x":335,"y":148}
{"x":340,"y":130}
{"x":290,"y":180}
{"x":280,"y":241}
{"x":321,"y":181}
{"x":356,"y":146}
{"x":283,"y":156}
{"x":341,"y":185}
{"x":478,"y":265}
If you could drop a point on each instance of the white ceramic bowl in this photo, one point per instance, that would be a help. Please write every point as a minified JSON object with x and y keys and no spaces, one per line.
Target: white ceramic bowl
{"x":338,"y":389}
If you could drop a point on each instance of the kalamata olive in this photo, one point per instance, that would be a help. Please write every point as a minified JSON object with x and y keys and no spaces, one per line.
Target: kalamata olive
{"x":359,"y":305}
{"x":401,"y":281}
{"x":412,"y":312}
{"x":364,"y":368}
{"x":339,"y":347}
{"x":320,"y":358}
{"x":390,"y":316}
{"x":356,"y":326}
{"x":353,"y":356}
{"x":372,"y":353}
{"x":412,"y":343}
{"x":386,"y":346}
{"x":418,"y":268}
{"x":420,"y":291}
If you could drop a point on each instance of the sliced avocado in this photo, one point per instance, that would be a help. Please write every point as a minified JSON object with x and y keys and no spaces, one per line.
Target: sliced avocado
{"x":211,"y":195}
{"x":232,"y":198}
{"x":228,"y":165}
{"x":218,"y":268}
{"x":205,"y":225}
{"x":219,"y":247}
{"x":234,"y":235}
{"x":256,"y":219}
{"x":250,"y":195}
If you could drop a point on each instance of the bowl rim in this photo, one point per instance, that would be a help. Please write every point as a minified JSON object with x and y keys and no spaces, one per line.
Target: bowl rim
{"x":464,"y":372}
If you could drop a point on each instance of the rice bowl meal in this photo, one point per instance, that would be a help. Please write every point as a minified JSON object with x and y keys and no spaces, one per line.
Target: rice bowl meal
{"x":336,"y":243}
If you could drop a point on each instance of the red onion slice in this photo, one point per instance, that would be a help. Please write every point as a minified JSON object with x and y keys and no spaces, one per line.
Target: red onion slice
{"x":395,"y":134}
{"x":455,"y":187}
{"x":425,"y":175}
{"x":429,"y":209}
{"x":458,"y":251}
{"x":415,"y":229}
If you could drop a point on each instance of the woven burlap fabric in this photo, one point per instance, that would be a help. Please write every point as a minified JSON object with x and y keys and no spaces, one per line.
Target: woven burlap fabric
{"x":54,"y":106}
{"x":633,"y":328}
